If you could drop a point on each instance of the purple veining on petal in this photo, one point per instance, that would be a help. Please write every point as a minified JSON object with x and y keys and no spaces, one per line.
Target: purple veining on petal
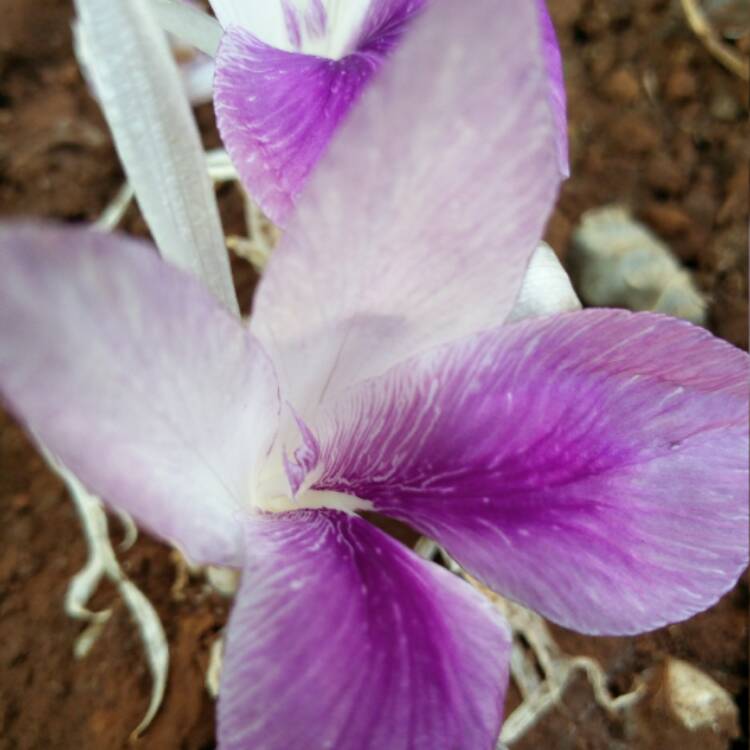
{"x":277,"y":110}
{"x":306,"y":456}
{"x":384,"y":24}
{"x":292,"y":24}
{"x":592,"y":465}
{"x":316,"y":18}
{"x":557,"y":97}
{"x":342,"y":638}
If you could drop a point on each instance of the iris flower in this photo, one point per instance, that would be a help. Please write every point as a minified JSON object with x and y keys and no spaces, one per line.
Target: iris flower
{"x":591,"y":464}
{"x":288,"y":71}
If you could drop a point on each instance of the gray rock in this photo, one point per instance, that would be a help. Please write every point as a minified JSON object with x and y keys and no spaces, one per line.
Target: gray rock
{"x":615,"y":261}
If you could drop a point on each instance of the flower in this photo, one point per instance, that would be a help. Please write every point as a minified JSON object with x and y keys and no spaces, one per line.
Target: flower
{"x":592,"y":464}
{"x":288,"y":71}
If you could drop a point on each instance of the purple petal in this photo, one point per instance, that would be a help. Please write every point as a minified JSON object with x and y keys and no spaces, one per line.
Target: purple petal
{"x":276,"y":112}
{"x":592,"y":465}
{"x":342,"y":638}
{"x":556,"y":91}
{"x":144,"y":386}
{"x":277,"y":109}
{"x":420,"y":220}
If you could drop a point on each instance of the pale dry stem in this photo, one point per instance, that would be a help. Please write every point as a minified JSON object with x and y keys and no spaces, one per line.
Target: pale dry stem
{"x":727,"y":55}
{"x":540,"y":669}
{"x":102,"y":563}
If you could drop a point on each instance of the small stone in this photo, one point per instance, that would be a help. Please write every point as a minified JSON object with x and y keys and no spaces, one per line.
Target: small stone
{"x":668,"y":219}
{"x":725,"y":107}
{"x":680,"y":86}
{"x":634,"y":134}
{"x":20,"y":501}
{"x":617,"y":262}
{"x":664,"y":175}
{"x":622,"y":86}
{"x":685,"y":708}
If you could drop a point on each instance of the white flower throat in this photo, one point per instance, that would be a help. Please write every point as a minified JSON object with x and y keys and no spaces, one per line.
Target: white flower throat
{"x":272,"y":491}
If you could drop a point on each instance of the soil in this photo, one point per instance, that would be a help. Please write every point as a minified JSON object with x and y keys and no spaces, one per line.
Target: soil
{"x":655,"y":123}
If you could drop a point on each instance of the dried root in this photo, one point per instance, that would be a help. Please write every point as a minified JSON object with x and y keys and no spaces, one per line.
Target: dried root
{"x":729,"y":57}
{"x":262,"y":234}
{"x":215,"y":662}
{"x":102,"y":563}
{"x":539,"y":668}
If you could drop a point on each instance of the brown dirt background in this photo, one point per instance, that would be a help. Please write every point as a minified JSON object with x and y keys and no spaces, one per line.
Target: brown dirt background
{"x":655,"y":123}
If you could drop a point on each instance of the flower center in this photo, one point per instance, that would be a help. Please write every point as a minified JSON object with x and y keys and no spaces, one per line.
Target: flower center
{"x":273,"y":491}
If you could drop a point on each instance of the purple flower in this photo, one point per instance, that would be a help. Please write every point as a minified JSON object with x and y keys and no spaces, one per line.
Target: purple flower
{"x":592,"y":465}
{"x":288,"y":71}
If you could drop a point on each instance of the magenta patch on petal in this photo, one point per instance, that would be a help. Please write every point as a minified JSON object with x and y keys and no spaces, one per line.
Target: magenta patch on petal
{"x":429,"y":203}
{"x":593,"y":466}
{"x":342,"y":638}
{"x":277,"y":110}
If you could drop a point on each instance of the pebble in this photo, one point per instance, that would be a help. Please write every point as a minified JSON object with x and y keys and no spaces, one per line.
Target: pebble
{"x":668,"y":219}
{"x":725,"y":107}
{"x":622,"y":86}
{"x":694,"y":712}
{"x":665,"y":175}
{"x":615,"y":261}
{"x":680,"y":86}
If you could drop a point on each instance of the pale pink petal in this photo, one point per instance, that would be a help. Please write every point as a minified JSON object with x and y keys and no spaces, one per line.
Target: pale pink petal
{"x":144,"y":386}
{"x":592,"y":465}
{"x":419,"y":221}
{"x":342,"y":638}
{"x":551,"y":51}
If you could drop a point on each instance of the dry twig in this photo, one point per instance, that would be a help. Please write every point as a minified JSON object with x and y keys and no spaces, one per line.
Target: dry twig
{"x":729,"y":57}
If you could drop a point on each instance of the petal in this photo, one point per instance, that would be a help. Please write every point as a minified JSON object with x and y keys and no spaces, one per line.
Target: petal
{"x":421,"y":218}
{"x":402,"y":655}
{"x":327,"y":28}
{"x":143,"y":385}
{"x":277,"y":109}
{"x":556,"y":81}
{"x":144,"y":102}
{"x":592,"y":465}
{"x":546,"y":288}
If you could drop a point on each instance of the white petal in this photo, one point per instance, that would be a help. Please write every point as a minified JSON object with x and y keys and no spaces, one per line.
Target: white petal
{"x":156,"y":136}
{"x":546,"y":288}
{"x":327,"y":28}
